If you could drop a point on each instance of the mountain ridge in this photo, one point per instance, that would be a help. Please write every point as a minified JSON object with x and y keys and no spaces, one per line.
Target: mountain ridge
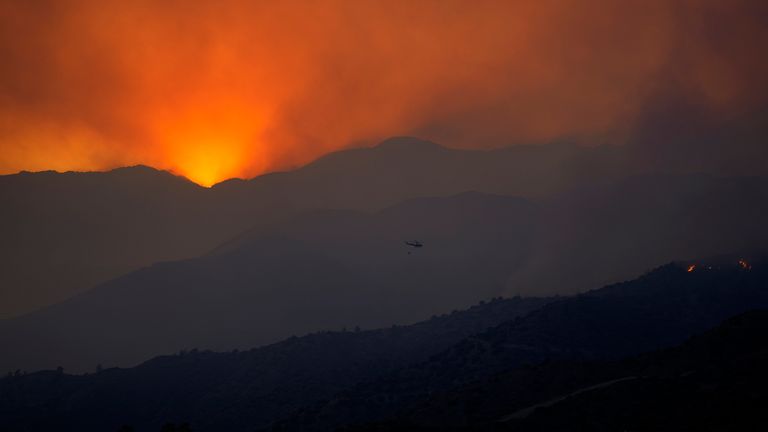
{"x":394,"y":143}
{"x":263,"y":381}
{"x":65,"y":222}
{"x":326,"y":268}
{"x":338,"y":383}
{"x":606,"y":324}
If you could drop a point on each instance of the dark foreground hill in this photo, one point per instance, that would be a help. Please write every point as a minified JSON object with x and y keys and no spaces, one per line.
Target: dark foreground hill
{"x":661,"y":309}
{"x":714,"y":382}
{"x":328,"y":380}
{"x":236,"y":390}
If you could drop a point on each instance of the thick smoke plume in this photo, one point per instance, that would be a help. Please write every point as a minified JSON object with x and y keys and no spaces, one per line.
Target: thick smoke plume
{"x":213,"y":90}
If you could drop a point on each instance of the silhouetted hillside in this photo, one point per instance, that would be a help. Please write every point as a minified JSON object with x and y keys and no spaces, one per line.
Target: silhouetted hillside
{"x":64,"y":233}
{"x":323,"y":271}
{"x":238,"y":390}
{"x":713,"y":382}
{"x":407,"y":372}
{"x":660,"y":309}
{"x":68,"y":232}
{"x":406,"y":167}
{"x":333,"y":268}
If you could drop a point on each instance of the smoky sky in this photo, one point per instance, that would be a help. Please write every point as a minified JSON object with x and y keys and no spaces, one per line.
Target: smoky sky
{"x":231,"y":88}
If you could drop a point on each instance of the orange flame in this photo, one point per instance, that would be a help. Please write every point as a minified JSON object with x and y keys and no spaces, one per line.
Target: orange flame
{"x":691,"y":268}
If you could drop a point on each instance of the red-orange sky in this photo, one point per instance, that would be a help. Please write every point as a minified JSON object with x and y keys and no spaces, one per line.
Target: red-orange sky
{"x":228,"y":88}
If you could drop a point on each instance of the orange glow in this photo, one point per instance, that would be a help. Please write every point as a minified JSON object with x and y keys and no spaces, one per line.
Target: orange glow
{"x":208,"y":144}
{"x":691,"y":268}
{"x":744,"y":264}
{"x":234,"y":88}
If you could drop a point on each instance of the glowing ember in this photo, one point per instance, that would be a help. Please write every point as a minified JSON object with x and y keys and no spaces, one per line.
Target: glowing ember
{"x":691,"y":268}
{"x":744,"y":264}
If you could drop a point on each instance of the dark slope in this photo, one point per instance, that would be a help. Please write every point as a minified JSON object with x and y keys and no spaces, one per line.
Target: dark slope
{"x":333,"y":268}
{"x":63,"y":233}
{"x":406,"y":167}
{"x":325,"y":270}
{"x":660,"y":309}
{"x":247,"y":390}
{"x":60,"y":230}
{"x":713,"y":382}
{"x":235,"y":391}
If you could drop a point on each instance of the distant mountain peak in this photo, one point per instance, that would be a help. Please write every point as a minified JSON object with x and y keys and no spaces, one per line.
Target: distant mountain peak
{"x":145,"y":171}
{"x":126,"y":170}
{"x":137,"y":168}
{"x":141,"y":170}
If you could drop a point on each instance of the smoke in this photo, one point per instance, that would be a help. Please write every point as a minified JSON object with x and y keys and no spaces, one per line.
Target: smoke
{"x":213,"y":90}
